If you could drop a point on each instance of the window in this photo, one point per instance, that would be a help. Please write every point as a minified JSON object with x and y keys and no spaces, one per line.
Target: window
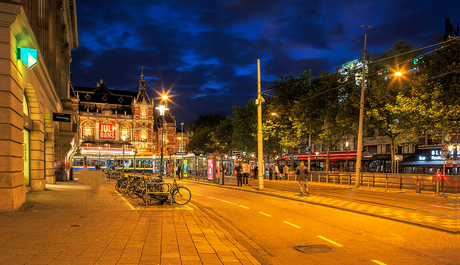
{"x":87,"y":129}
{"x":124,"y":129}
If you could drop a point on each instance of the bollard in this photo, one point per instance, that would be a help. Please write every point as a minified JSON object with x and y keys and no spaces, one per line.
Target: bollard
{"x":418,"y":187}
{"x":340,"y":180}
{"x":368,"y":182}
{"x":437,"y":186}
{"x":386,"y":182}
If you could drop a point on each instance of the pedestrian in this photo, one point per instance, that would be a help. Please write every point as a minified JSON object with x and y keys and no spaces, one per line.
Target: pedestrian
{"x":179,"y":171}
{"x":239,"y":175}
{"x":256,"y":172}
{"x":270,"y":172}
{"x":246,"y":171}
{"x":277,"y":172}
{"x":302,"y":172}
{"x":286,"y":172}
{"x":281,"y":169}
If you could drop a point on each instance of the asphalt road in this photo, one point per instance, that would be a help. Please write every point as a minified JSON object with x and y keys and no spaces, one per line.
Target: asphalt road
{"x":329,"y":236}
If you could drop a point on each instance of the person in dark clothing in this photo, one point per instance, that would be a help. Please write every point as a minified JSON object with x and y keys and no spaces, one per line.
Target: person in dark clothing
{"x":239,"y":175}
{"x":302,"y":172}
{"x":256,"y":172}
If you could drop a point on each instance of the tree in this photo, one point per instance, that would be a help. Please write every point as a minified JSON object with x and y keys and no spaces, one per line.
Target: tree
{"x":382,"y":112}
{"x":208,"y":133}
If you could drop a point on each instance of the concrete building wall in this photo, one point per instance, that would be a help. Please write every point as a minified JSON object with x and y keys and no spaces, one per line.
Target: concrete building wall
{"x":16,"y":82}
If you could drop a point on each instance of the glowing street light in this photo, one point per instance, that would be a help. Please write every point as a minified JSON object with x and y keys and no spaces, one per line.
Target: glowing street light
{"x":162,"y":110}
{"x":398,"y":74}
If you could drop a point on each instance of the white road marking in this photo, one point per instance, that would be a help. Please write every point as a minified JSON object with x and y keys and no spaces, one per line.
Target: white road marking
{"x":330,"y":241}
{"x":265,"y":214}
{"x":291,"y":224}
{"x":127,"y":202}
{"x":378,"y":262}
{"x":242,"y":206}
{"x":197,"y":194}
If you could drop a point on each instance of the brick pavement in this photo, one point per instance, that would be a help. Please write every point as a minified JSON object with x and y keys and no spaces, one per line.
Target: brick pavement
{"x":422,"y":218}
{"x":70,"y":223}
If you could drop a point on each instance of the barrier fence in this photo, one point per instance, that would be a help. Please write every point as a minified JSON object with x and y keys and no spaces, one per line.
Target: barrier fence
{"x":417,"y":182}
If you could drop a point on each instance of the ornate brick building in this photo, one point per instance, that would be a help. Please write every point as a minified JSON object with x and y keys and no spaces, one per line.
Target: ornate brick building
{"x":109,"y":119}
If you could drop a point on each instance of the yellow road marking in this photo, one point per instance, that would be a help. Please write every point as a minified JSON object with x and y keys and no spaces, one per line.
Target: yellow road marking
{"x":265,"y":214}
{"x":378,"y":262}
{"x":291,"y":224}
{"x":330,"y":241}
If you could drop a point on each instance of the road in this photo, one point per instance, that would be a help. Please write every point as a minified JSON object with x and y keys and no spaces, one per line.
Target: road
{"x":275,"y":226}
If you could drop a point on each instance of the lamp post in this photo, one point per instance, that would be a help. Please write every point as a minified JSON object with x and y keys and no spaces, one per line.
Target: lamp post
{"x":346,"y":144}
{"x":162,"y":109}
{"x":361,"y":114}
{"x":99,"y":162}
{"x":260,"y":153}
{"x":123,"y":155}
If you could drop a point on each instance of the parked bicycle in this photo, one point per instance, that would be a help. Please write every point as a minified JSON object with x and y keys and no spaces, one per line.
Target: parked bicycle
{"x":155,"y":189}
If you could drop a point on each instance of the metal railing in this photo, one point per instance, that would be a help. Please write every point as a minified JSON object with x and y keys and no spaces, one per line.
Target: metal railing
{"x":417,"y":182}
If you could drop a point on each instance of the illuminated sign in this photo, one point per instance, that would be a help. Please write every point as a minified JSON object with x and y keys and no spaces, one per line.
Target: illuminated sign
{"x":185,"y":168}
{"x":107,"y":131}
{"x":107,"y":151}
{"x":210,"y":168}
{"x":28,"y":56}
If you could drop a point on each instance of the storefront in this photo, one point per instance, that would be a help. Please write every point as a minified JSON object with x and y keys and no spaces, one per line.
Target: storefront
{"x":430,"y":161}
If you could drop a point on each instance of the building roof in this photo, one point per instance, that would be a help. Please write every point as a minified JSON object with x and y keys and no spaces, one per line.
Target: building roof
{"x":101,"y":94}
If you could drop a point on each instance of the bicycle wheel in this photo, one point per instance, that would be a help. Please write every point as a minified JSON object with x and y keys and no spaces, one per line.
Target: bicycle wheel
{"x":181,"y":195}
{"x":131,"y":189}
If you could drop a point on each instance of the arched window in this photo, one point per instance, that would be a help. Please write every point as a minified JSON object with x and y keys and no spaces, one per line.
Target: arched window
{"x":124,"y":130}
{"x":87,"y":130}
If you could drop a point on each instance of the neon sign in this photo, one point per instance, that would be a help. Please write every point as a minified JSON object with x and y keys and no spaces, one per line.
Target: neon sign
{"x":28,"y":56}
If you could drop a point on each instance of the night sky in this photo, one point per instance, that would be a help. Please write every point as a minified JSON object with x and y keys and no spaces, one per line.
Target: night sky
{"x":205,"y":52}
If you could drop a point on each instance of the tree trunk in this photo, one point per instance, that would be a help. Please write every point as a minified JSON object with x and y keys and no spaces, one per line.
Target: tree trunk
{"x":393,"y":151}
{"x":292,"y":160}
{"x":327,"y":156}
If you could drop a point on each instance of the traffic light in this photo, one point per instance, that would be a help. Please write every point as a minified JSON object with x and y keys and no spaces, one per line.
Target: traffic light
{"x":439,"y":175}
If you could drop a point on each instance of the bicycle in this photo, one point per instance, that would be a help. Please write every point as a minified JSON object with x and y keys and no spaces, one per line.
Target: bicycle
{"x":161,"y":192}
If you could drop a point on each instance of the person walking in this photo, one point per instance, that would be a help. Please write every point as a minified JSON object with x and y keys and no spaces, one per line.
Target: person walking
{"x":246,"y":172}
{"x":256,"y":172}
{"x":281,"y":169}
{"x":286,"y":172}
{"x":302,"y":171}
{"x":239,"y":175}
{"x":270,"y":172}
{"x":277,"y":172}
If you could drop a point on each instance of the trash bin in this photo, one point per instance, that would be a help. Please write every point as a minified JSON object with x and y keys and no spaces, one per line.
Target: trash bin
{"x":71,"y":174}
{"x":418,"y":187}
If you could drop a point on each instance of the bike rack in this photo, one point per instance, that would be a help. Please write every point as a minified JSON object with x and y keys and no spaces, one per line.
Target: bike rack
{"x":153,"y":186}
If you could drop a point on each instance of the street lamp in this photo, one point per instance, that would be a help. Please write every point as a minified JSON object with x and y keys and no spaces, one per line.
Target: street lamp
{"x":361,"y":114}
{"x":162,"y":109}
{"x":123,"y":157}
{"x":260,"y":147}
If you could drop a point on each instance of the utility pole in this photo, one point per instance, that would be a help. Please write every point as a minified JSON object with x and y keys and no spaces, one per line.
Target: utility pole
{"x":361,"y":114}
{"x":260,"y":148}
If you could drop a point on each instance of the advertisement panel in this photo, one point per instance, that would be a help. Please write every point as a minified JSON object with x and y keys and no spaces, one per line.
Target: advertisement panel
{"x":210,"y":168}
{"x":107,"y":131}
{"x":185,"y":168}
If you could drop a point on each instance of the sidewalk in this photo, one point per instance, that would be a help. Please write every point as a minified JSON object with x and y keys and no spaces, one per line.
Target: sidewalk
{"x":447,"y":223}
{"x":71,"y":224}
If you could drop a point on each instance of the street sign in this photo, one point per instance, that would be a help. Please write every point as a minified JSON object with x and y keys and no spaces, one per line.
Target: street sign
{"x":28,"y":56}
{"x":64,"y":117}
{"x":444,"y":154}
{"x":398,"y":157}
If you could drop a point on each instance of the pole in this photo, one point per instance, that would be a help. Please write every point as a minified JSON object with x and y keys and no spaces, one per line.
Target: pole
{"x":361,"y":114}
{"x":123,"y":159}
{"x":99,"y":162}
{"x":161,"y":156}
{"x":309,"y":150}
{"x":260,"y":153}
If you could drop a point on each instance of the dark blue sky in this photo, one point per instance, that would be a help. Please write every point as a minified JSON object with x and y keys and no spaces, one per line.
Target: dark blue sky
{"x":205,"y":52}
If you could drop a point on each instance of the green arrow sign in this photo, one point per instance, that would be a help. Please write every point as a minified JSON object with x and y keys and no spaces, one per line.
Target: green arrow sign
{"x":28,"y":56}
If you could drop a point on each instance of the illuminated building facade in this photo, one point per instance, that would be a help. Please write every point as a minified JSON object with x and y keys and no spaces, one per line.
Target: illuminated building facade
{"x":109,"y":119}
{"x":36,"y":39}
